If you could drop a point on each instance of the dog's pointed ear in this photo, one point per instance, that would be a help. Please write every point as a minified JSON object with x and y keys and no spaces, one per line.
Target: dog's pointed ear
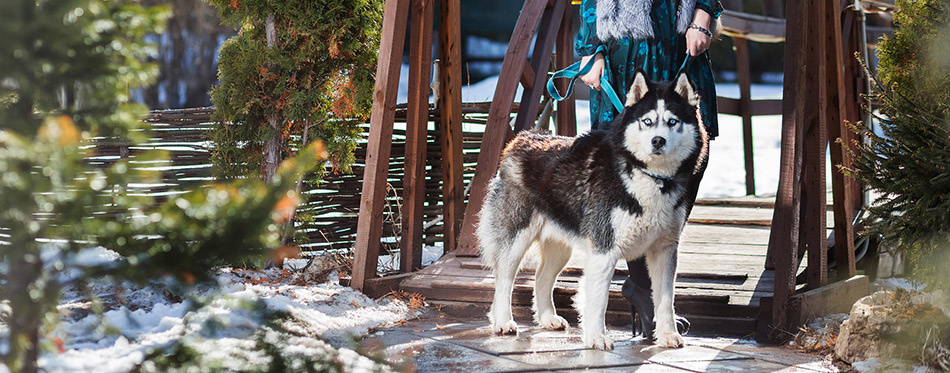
{"x":638,"y":89}
{"x":684,"y":87}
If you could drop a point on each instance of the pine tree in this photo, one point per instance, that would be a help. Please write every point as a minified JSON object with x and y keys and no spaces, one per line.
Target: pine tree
{"x":908,"y":164}
{"x":66,"y":72}
{"x":66,"y":69}
{"x":293,"y":65}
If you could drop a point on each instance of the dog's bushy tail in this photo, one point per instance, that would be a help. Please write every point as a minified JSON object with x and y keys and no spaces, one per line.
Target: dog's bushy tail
{"x":488,"y":227}
{"x":502,"y":224}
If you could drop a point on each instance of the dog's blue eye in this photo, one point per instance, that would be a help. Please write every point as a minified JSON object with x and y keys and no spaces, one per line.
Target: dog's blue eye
{"x":648,"y":121}
{"x":673,"y":122}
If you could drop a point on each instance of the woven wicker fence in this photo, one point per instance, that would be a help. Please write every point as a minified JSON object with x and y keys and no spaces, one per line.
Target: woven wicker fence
{"x":333,"y":204}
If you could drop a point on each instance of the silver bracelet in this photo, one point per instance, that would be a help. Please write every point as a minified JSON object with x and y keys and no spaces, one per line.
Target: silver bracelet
{"x":701,"y":29}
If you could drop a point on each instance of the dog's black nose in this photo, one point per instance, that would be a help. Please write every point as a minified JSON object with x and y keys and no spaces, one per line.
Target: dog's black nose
{"x":658,"y":142}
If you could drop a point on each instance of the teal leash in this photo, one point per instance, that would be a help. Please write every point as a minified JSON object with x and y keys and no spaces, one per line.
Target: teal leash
{"x":575,"y":71}
{"x":686,"y":62}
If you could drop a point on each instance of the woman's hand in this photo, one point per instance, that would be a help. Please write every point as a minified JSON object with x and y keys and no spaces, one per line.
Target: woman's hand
{"x":696,"y":41}
{"x":592,"y":78}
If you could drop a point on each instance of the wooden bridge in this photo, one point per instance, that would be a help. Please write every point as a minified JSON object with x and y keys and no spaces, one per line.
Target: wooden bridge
{"x":721,"y":280}
{"x":740,"y":257}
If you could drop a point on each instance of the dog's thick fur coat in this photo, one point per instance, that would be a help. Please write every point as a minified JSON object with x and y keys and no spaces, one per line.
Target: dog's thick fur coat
{"x":616,"y":193}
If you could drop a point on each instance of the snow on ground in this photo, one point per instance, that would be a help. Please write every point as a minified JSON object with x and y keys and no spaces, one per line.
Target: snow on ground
{"x":725,"y":175}
{"x":228,"y":328}
{"x":390,"y":263}
{"x":894,"y":283}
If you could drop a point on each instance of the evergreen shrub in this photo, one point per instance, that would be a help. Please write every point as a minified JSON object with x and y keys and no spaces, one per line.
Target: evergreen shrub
{"x":319,"y":72}
{"x":908,"y":162}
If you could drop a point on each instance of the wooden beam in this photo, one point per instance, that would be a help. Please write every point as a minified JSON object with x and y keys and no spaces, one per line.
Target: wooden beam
{"x":540,"y":62}
{"x":380,"y":286}
{"x":783,"y":238}
{"x":527,"y":76}
{"x":417,"y":121}
{"x":814,"y":188}
{"x":369,"y":228}
{"x":566,"y":117}
{"x":855,"y":86}
{"x":753,"y":27}
{"x":837,"y":297}
{"x":745,"y":110}
{"x":497,"y":127}
{"x":844,"y":231}
{"x":730,"y":106}
{"x":450,"y":106}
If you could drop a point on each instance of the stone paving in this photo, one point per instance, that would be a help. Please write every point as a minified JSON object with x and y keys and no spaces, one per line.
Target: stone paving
{"x":435,"y":344}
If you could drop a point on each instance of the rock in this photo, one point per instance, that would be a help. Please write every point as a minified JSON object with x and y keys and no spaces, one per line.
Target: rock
{"x":892,"y":325}
{"x":320,"y":268}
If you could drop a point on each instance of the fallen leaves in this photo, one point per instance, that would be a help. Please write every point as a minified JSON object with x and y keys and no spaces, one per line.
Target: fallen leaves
{"x":413,"y":300}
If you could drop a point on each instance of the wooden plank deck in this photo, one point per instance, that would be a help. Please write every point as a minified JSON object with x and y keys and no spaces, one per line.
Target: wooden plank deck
{"x":720,"y":284}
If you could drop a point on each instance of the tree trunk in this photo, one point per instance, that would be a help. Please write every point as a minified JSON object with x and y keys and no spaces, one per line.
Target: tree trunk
{"x":174,"y":68}
{"x":272,"y":145}
{"x":27,"y":313}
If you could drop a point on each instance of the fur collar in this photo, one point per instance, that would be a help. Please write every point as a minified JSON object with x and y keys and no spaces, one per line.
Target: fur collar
{"x":619,"y":19}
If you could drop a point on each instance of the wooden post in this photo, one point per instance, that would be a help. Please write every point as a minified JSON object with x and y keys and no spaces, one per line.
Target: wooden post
{"x":564,"y":56}
{"x":783,"y":239}
{"x":450,"y":107}
{"x":813,"y":232}
{"x":370,"y":226}
{"x":540,"y":62}
{"x":417,"y":120}
{"x":745,"y":109}
{"x":844,"y":231}
{"x":497,"y":128}
{"x":855,"y":85}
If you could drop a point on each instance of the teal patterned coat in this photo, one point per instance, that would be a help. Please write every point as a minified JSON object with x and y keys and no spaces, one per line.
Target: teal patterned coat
{"x":660,"y":57}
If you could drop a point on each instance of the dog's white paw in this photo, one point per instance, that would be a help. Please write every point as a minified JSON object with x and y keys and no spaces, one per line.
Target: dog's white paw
{"x":509,"y":327}
{"x":669,"y":340}
{"x":600,"y":342}
{"x":552,"y":321}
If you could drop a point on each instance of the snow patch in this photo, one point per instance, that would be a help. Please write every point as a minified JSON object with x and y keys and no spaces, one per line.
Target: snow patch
{"x":225,"y":330}
{"x":894,"y":283}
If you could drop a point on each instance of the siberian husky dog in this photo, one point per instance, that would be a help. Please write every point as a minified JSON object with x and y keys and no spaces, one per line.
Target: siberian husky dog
{"x":616,"y":193}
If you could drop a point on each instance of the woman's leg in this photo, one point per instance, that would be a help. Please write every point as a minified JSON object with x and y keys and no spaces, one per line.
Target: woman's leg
{"x":637,"y":290}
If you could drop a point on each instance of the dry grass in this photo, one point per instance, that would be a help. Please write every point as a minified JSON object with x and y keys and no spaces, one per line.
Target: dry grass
{"x":936,"y":352}
{"x":415,"y":301}
{"x":902,"y":306}
{"x":819,"y":337}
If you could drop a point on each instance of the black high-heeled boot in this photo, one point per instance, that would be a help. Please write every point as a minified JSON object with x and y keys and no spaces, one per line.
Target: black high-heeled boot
{"x":640,"y":299}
